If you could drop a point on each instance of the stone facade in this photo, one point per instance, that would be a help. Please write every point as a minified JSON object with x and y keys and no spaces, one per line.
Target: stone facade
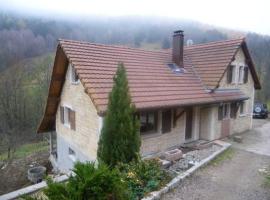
{"x":83,"y":141}
{"x":242,"y":122}
{"x":157,"y":142}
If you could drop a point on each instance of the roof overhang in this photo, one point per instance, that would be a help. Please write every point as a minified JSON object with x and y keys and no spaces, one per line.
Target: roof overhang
{"x":47,"y":123}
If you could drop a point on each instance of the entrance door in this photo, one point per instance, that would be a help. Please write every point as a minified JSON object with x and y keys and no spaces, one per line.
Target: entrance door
{"x":225,"y":128}
{"x":188,"y":134}
{"x":205,"y":123}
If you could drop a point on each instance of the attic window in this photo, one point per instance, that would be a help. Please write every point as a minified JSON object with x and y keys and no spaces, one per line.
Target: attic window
{"x":73,"y":75}
{"x":176,"y":69}
{"x":241,"y":74}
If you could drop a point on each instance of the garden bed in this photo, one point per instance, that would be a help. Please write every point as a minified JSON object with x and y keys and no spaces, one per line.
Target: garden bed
{"x":193,"y":157}
{"x":191,"y":161}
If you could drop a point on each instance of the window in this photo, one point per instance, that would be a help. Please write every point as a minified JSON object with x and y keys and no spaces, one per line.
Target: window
{"x":231,"y":74}
{"x":233,"y":110}
{"x":224,"y":111}
{"x":72,"y":154}
{"x":242,"y":108}
{"x":166,"y":121}
{"x":67,"y":116}
{"x":148,"y":122}
{"x":74,"y":76}
{"x":241,"y":75}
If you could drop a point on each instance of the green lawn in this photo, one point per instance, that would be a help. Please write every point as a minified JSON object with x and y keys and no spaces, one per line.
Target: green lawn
{"x":267,"y":180}
{"x":226,"y":155}
{"x":27,"y":149}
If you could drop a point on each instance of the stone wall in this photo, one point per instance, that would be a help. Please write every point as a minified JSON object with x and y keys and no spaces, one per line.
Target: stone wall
{"x":153,"y":143}
{"x":84,"y":139}
{"x":157,"y":142}
{"x":242,"y":122}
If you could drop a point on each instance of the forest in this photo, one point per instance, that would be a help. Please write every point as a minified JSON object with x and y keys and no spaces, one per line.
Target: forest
{"x":28,"y":46}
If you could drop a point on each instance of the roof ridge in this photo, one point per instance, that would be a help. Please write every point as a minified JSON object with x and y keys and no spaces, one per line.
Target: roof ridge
{"x":220,"y":42}
{"x":111,"y":45}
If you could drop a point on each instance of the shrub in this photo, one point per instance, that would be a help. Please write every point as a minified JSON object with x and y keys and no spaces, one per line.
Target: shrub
{"x":120,"y":138}
{"x":89,"y":183}
{"x":143,"y":177}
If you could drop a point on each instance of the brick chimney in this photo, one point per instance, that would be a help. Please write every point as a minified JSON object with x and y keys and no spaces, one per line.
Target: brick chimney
{"x":178,"y":48}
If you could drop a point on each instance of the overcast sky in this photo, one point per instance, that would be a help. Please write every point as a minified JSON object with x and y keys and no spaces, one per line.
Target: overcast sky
{"x":244,"y":15}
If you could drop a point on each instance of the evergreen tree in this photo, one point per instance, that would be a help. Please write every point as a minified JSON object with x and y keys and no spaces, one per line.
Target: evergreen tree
{"x":120,"y":139}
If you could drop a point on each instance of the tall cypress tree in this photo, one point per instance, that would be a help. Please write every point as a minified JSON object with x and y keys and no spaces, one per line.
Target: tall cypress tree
{"x":120,"y":138}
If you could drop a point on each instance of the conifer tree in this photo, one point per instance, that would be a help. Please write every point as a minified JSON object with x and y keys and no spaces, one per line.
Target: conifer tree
{"x":120,"y":138}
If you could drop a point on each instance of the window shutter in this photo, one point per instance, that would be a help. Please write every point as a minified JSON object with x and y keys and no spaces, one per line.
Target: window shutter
{"x":229,"y":74}
{"x":62,"y":114}
{"x":245,"y":74}
{"x":72,"y":119}
{"x":220,"y":112}
{"x":166,"y":121}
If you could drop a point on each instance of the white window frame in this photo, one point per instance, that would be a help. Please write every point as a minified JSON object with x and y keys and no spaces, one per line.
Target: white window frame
{"x":72,"y":154}
{"x":73,"y":75}
{"x":244,"y":113}
{"x":234,"y":75}
{"x":66,"y":115}
{"x":227,"y":116}
{"x":241,"y":74}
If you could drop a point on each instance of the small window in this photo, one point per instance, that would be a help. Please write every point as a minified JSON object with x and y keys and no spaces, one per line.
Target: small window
{"x":233,"y":110}
{"x":241,"y":75}
{"x":67,"y":116}
{"x":242,"y":108}
{"x":72,"y":154}
{"x":224,"y":111}
{"x":74,"y":75}
{"x":148,"y":122}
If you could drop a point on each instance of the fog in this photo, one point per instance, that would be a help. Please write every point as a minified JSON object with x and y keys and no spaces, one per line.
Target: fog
{"x":243,"y":15}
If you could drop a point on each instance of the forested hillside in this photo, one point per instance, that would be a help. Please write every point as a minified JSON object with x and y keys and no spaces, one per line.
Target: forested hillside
{"x":28,"y":45}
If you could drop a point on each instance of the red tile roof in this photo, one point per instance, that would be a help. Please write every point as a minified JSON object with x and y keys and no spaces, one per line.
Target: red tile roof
{"x":228,"y":95}
{"x":211,"y":60}
{"x":152,"y":83}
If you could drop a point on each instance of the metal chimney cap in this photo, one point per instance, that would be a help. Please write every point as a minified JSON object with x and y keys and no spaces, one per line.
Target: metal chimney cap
{"x":178,"y":32}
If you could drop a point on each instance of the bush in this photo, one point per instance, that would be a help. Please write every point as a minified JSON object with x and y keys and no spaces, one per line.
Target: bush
{"x":143,"y":177}
{"x":89,"y":183}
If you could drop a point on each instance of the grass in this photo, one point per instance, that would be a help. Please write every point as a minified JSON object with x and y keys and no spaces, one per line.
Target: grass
{"x":226,"y":155}
{"x":267,"y":180}
{"x":26,"y":150}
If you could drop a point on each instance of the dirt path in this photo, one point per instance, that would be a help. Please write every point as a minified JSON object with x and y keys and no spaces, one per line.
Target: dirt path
{"x":235,"y":179}
{"x":14,"y":175}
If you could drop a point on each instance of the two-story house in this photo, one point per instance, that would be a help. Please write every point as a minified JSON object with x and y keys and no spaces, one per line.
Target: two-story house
{"x":183,"y":94}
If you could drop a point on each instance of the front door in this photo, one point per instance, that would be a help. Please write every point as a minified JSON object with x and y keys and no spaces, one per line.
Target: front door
{"x":188,"y":134}
{"x":205,"y":123}
{"x":225,"y":128}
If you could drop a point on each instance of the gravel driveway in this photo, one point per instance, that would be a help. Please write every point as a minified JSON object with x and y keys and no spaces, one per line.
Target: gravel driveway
{"x":235,"y":179}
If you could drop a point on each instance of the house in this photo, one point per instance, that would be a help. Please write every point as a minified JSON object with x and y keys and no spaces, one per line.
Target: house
{"x":203,"y":91}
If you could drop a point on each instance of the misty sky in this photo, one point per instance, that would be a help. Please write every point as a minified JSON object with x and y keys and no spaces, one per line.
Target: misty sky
{"x":244,"y":15}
